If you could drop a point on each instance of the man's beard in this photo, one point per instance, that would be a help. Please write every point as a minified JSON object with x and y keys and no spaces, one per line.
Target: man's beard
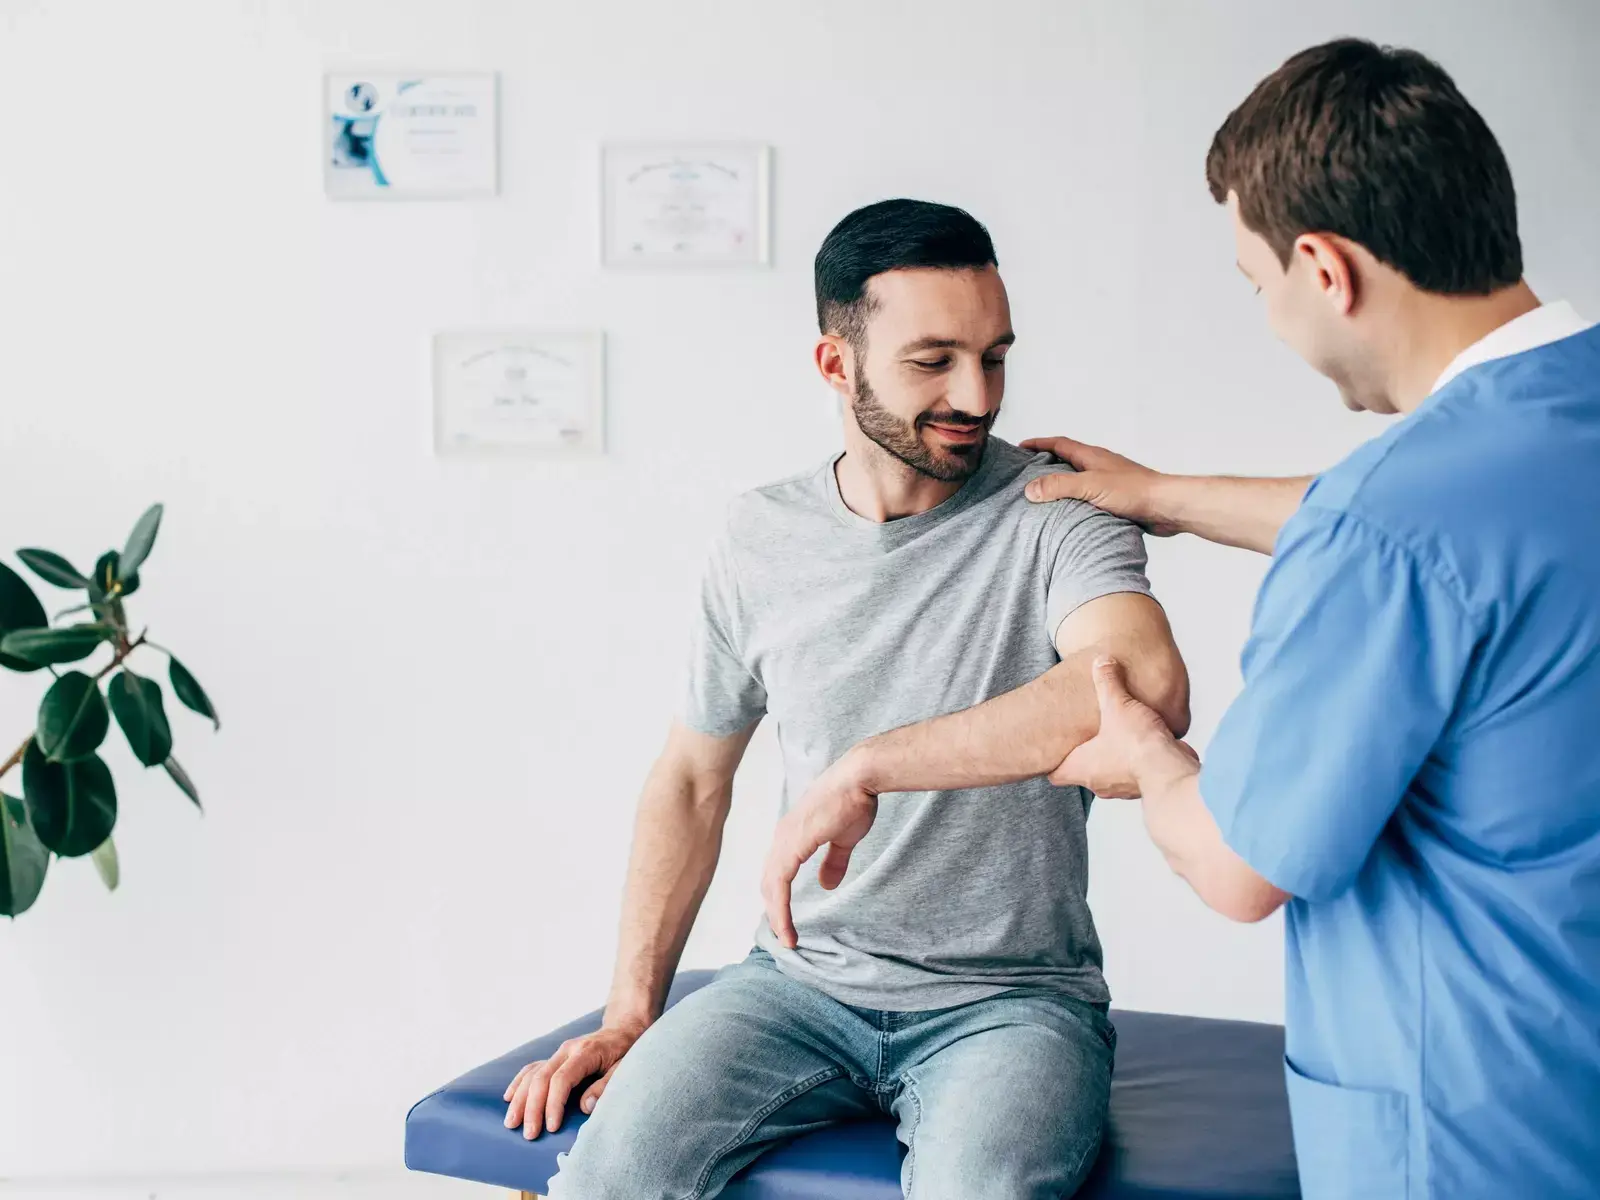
{"x":903,"y":439}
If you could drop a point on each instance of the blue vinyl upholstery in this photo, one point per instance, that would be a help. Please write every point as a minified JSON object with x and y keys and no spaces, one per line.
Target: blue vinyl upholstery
{"x":1198,"y":1112}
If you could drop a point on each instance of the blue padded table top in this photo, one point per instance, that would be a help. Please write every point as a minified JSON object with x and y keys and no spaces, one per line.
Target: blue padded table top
{"x":1198,"y":1112}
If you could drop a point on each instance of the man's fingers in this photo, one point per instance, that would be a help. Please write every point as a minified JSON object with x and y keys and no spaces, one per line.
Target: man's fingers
{"x":511,"y":1087}
{"x":578,"y":1067}
{"x":777,"y":895}
{"x":592,"y":1096}
{"x":834,"y":865}
{"x":518,"y":1095}
{"x":538,"y":1087}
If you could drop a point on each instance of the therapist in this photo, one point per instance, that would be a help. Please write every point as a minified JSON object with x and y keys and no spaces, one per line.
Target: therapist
{"x":1413,"y":767}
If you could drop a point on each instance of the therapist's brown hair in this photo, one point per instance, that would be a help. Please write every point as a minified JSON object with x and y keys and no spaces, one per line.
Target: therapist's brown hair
{"x":1377,"y":145}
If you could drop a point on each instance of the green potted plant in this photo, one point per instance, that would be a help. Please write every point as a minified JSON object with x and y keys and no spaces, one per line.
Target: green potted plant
{"x":68,"y":802}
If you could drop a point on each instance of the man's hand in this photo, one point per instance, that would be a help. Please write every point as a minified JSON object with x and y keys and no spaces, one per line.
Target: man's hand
{"x":539,"y":1093}
{"x":837,"y":811}
{"x":1104,"y":479}
{"x":1133,"y":749}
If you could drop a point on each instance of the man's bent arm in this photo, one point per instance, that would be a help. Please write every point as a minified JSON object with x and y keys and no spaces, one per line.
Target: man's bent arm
{"x":1029,"y":731}
{"x":676,"y":841}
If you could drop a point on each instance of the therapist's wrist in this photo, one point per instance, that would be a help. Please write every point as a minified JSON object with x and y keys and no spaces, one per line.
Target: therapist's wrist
{"x":1170,"y":503}
{"x":1164,"y":765}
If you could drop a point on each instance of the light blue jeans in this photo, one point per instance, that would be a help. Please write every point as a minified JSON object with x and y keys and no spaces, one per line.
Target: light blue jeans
{"x":1004,"y":1098}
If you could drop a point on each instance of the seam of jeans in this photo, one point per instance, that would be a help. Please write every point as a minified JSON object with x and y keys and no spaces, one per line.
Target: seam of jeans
{"x":1093,"y":1148}
{"x":805,"y":1085}
{"x":911,"y":1139}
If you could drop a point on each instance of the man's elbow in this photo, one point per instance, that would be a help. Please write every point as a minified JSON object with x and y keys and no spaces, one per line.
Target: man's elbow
{"x":1167,"y":691}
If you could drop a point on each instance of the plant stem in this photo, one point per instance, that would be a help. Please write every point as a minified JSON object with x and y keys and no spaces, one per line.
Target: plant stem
{"x":17,"y":757}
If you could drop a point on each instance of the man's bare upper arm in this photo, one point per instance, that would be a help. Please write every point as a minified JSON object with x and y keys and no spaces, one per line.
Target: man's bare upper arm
{"x":1133,"y":629}
{"x":709,"y":762}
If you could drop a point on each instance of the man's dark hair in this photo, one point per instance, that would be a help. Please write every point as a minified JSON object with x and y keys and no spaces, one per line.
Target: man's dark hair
{"x":889,"y":236}
{"x":1377,"y":145}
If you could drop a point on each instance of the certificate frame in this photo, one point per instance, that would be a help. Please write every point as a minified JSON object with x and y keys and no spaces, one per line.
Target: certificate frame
{"x":350,"y":165}
{"x":615,"y":222}
{"x":462,"y":429}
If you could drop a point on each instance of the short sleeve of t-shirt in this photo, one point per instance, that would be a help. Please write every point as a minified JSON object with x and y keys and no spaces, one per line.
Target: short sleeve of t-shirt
{"x":723,"y":695}
{"x":1357,"y":654}
{"x":1093,"y":554}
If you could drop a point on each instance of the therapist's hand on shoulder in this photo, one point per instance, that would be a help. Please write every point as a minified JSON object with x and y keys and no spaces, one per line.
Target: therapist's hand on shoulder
{"x":837,"y":811}
{"x":537,"y":1097}
{"x":1104,"y":479}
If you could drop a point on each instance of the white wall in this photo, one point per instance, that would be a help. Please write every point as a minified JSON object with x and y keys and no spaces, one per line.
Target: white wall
{"x":442,"y":682}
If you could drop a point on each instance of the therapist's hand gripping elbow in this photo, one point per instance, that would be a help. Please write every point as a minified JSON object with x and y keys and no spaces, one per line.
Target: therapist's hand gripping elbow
{"x":1135,"y":756}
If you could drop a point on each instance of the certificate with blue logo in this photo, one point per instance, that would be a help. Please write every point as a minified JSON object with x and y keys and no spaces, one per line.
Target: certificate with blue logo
{"x":409,"y":136}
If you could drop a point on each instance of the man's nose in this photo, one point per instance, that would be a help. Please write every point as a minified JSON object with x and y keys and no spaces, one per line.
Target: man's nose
{"x":969,"y":391}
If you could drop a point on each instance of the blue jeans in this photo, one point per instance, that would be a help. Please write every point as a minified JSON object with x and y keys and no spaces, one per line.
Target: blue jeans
{"x":1003,"y":1098}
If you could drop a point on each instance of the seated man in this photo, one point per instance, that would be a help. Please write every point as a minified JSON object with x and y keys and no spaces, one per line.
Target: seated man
{"x":952,"y":979}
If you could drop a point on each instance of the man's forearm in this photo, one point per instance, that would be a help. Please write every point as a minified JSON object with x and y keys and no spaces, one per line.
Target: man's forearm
{"x":677,"y":838}
{"x":1021,"y":734}
{"x":1247,"y":513}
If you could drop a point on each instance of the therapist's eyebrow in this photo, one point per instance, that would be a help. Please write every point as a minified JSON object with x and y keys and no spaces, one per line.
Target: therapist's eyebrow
{"x":1243,"y":272}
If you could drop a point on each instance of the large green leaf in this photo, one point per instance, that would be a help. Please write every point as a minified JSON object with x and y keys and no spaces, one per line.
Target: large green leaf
{"x":52,"y":568}
{"x":105,"y":862}
{"x":72,"y":718}
{"x":73,"y":805}
{"x":140,"y":540}
{"x":137,"y":703}
{"x":44,"y":647}
{"x":19,"y":609}
{"x":109,"y":577}
{"x":190,"y":692}
{"x":181,"y":778}
{"x":23,"y":859}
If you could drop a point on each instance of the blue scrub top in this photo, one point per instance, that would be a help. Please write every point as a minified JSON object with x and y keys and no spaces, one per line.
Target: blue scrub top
{"x":1415,"y":758}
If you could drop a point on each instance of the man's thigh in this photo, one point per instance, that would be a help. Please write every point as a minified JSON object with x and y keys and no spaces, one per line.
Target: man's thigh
{"x":1005,"y":1098}
{"x":751,"y":1059}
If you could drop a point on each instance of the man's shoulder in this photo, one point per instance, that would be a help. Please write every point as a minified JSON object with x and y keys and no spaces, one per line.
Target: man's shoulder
{"x":771,"y":508}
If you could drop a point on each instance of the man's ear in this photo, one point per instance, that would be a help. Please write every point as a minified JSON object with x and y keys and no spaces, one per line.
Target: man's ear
{"x":1328,"y":261}
{"x":836,"y":363}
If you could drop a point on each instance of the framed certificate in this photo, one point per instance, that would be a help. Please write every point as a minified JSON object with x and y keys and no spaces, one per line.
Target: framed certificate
{"x":388,"y":136}
{"x":526,"y":391}
{"x":688,"y":204}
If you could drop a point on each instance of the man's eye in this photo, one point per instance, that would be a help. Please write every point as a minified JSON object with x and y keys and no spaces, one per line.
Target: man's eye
{"x":932,"y":365}
{"x":993,"y":364}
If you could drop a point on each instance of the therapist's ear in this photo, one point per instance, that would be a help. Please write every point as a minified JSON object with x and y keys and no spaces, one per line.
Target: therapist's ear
{"x":1328,"y":261}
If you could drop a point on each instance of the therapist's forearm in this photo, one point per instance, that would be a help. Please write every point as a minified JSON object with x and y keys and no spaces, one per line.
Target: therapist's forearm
{"x":1247,"y":513}
{"x":1022,"y":734}
{"x":1183,"y":830}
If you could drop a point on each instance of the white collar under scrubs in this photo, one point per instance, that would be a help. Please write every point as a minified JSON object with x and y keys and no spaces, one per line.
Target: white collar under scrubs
{"x":1415,"y":758}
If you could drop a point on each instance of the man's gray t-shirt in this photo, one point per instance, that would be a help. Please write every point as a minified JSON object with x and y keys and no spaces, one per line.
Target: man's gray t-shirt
{"x":840,"y":628}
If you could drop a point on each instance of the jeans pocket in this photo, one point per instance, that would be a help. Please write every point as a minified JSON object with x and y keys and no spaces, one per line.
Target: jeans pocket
{"x":1350,"y":1142}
